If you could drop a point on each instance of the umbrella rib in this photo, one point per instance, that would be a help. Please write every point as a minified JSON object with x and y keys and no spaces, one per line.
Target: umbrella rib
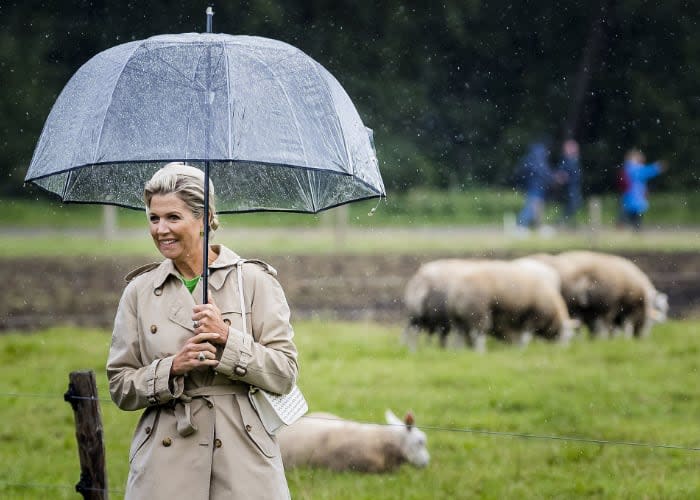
{"x":111,"y":94}
{"x":340,"y":125}
{"x":65,"y":185}
{"x":177,"y":71}
{"x":296,"y":120}
{"x":229,"y":139}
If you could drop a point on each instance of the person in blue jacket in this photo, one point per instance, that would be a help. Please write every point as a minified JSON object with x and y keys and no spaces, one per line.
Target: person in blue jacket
{"x":535,"y":176}
{"x":634,"y":202}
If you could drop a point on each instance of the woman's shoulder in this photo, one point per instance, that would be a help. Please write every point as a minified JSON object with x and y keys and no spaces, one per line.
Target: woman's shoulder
{"x":141,"y":270}
{"x":258,"y":266}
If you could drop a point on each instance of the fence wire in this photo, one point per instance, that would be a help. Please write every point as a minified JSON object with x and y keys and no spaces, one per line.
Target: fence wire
{"x":460,"y":430}
{"x":463,"y":430}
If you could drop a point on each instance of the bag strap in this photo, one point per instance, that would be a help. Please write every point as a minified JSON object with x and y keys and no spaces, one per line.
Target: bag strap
{"x":239,"y":266}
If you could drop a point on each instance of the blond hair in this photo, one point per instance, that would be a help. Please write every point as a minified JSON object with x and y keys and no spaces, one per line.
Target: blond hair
{"x":187,"y":182}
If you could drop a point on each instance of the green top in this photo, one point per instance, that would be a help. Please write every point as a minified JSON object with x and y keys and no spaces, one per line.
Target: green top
{"x":190,"y":284}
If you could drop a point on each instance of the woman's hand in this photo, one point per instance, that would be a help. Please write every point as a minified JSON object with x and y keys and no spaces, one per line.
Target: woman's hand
{"x":208,"y":318}
{"x":188,"y":358}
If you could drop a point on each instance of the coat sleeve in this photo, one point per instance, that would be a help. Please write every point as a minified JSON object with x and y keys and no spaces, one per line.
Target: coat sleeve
{"x":135,"y":383}
{"x":268,"y":359}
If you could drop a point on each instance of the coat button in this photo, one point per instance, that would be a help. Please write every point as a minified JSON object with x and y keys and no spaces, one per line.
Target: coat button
{"x":158,"y":291}
{"x":240,"y":371}
{"x":148,"y":430}
{"x":167,"y":442}
{"x":248,"y":428}
{"x":210,"y":404}
{"x":154,"y":328}
{"x":217,"y":443}
{"x":227,"y":321}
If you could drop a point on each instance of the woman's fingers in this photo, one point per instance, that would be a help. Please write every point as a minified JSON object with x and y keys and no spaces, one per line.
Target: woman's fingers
{"x":203,"y":347}
{"x":208,"y":318}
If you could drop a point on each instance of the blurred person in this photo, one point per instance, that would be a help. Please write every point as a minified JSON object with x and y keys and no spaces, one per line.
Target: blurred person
{"x":189,"y":365}
{"x":568,"y":175}
{"x":535,"y":177}
{"x":636,"y":174}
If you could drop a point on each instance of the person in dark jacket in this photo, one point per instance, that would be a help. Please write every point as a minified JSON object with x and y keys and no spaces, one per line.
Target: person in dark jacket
{"x":535,"y":176}
{"x":569,"y":175}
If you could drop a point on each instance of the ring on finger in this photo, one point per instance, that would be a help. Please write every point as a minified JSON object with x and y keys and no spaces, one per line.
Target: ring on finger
{"x":196,"y":324}
{"x":201,"y":356}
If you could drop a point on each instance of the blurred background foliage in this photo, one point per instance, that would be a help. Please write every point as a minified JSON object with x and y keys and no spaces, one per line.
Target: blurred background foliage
{"x":454,"y":91}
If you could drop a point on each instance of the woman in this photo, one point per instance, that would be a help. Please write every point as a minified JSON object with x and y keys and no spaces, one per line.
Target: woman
{"x":190,"y":366}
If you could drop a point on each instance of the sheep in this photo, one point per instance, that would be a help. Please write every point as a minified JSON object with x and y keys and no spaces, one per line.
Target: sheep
{"x":511,"y":301}
{"x":607,"y":292}
{"x":425,"y":298}
{"x":327,"y":441}
{"x":542,"y":269}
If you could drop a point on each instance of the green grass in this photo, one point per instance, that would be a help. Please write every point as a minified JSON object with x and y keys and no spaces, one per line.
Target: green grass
{"x":620,"y":390}
{"x":415,"y":221}
{"x":418,"y":207}
{"x":366,"y":241}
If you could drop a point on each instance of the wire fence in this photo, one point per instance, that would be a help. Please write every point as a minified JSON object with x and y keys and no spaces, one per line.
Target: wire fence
{"x":435,"y":428}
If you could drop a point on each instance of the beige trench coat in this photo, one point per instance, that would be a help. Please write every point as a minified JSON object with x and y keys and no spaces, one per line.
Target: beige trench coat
{"x":199,"y":437}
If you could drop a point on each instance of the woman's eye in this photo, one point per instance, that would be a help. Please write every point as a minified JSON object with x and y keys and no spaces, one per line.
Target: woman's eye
{"x":153,"y":219}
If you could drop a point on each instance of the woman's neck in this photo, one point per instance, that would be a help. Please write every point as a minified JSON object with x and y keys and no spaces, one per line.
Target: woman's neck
{"x":191,"y":266}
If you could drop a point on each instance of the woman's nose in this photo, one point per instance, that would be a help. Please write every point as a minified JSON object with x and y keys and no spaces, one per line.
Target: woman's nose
{"x":162,"y":226}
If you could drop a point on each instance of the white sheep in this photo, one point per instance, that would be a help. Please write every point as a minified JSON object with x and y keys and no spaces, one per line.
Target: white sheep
{"x":542,"y":270}
{"x":607,"y":292}
{"x":327,"y":441}
{"x":509,"y":300}
{"x":425,"y":298}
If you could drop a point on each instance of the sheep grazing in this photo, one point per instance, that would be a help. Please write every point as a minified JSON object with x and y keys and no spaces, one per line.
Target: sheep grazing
{"x":425,"y":298}
{"x":324,"y":440}
{"x":607,"y":292}
{"x":511,"y":301}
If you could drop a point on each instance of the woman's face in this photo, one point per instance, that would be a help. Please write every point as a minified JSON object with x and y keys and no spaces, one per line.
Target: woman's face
{"x":175,"y":231}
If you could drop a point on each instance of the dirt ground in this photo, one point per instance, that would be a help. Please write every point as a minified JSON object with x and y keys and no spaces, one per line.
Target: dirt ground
{"x":37,"y":292}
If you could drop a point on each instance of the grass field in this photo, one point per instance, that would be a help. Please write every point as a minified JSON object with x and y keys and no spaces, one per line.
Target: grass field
{"x":418,"y":207}
{"x":415,"y":221}
{"x":363,"y":241}
{"x":618,"y":390}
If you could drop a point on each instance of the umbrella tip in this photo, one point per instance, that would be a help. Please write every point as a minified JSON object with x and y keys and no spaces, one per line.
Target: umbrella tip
{"x":210,"y":16}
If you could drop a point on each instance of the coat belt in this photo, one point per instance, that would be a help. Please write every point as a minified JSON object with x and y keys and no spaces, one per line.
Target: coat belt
{"x":183,"y":405}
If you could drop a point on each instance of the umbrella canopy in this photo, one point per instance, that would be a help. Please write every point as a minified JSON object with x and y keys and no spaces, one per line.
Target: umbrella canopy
{"x":275,"y":130}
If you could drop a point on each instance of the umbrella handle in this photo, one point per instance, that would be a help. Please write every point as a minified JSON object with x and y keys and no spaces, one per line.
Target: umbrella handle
{"x":205,"y":252}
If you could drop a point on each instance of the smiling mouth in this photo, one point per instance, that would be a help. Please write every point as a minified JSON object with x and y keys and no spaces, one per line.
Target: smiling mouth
{"x":166,"y":243}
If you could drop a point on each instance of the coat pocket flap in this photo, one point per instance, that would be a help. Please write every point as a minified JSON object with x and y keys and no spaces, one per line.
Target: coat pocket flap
{"x":144,"y":430}
{"x":254,"y":428}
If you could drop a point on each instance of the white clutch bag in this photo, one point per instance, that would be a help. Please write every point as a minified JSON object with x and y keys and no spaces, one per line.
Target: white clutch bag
{"x":274,"y":410}
{"x":277,"y":410}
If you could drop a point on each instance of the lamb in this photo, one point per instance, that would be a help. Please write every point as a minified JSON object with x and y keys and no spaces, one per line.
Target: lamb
{"x":607,"y":292}
{"x":511,"y":301}
{"x":327,"y":441}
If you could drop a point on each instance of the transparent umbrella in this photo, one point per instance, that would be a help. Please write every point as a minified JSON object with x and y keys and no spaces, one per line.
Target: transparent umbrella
{"x":271,"y":127}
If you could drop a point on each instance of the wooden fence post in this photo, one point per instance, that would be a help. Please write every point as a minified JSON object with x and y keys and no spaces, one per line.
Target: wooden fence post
{"x":595,"y":219}
{"x":82,"y":395}
{"x":109,"y":222}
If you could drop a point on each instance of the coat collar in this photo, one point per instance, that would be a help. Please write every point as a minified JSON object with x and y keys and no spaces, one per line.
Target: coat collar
{"x":225,"y":262}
